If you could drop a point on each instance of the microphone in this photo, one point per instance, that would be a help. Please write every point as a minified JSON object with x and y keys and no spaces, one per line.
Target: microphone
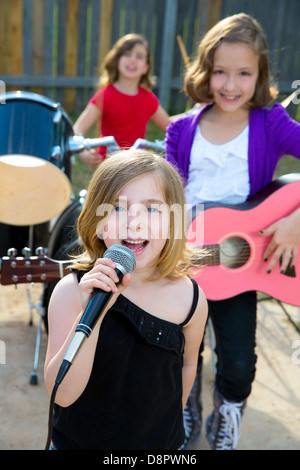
{"x":125,"y":261}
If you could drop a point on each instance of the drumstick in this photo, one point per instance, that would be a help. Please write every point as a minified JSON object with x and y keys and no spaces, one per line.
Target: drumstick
{"x":183,"y":51}
{"x":287,"y":100}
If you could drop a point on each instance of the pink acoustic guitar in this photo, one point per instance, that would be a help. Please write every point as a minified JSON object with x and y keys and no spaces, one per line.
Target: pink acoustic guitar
{"x":234,"y":263}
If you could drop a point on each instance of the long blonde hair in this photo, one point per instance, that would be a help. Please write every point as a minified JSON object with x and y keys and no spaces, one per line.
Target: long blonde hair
{"x":106,"y":184}
{"x":110,"y":73}
{"x":237,"y":28}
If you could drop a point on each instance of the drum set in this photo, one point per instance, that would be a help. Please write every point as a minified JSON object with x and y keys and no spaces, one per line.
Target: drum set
{"x":38,"y":210}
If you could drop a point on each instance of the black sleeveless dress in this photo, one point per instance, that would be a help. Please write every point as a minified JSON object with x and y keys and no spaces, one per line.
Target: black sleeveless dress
{"x":133,"y":400}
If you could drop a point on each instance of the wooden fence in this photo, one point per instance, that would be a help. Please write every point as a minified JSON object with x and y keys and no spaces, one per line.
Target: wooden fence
{"x":56,"y":47}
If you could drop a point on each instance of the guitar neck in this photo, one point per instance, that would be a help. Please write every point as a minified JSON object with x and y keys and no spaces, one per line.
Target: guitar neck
{"x":19,"y":270}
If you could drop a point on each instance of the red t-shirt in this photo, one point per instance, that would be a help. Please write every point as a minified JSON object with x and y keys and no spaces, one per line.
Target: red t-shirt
{"x":124,"y":117}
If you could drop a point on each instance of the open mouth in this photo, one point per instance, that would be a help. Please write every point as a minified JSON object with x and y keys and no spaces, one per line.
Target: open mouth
{"x":135,"y":245}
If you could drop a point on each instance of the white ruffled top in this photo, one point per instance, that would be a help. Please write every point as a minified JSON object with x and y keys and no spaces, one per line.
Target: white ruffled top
{"x":218,"y":173}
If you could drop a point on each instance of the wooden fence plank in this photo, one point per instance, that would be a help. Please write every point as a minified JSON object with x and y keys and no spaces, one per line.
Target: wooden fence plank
{"x":82,"y":33}
{"x":27,"y":39}
{"x":177,"y":60}
{"x":38,"y":28}
{"x":5,"y":36}
{"x":160,"y":18}
{"x":17,"y":37}
{"x":71,"y":29}
{"x":49,"y":43}
{"x":150,"y":21}
{"x":203,"y":14}
{"x":57,"y":46}
{"x":116,"y":20}
{"x":214,"y":13}
{"x":139,"y":18}
{"x":48,"y":37}
{"x":105,"y":29}
{"x":38,"y":25}
{"x":47,"y":81}
{"x":167,"y":51}
{"x":94,"y":51}
{"x":61,"y":45}
{"x":193,"y":19}
{"x":128,"y":16}
{"x":83,"y":55}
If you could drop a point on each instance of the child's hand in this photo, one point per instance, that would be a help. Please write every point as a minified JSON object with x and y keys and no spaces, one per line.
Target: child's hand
{"x":91,"y":158}
{"x":103,"y":276}
{"x":284,"y":243}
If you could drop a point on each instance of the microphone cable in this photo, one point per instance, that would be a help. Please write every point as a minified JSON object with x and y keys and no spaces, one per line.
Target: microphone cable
{"x":50,"y":416}
{"x":61,"y":374}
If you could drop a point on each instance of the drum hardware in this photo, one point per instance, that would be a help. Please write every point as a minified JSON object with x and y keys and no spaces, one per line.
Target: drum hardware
{"x":78,"y":143}
{"x":56,"y":152}
{"x":82,"y":195}
{"x":57,"y":117}
{"x":41,"y":312}
{"x":40,"y":251}
{"x":12,"y":252}
{"x":157,"y":145}
{"x":56,"y":149}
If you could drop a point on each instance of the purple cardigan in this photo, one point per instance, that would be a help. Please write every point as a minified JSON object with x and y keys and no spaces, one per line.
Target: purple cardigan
{"x":272,"y":134}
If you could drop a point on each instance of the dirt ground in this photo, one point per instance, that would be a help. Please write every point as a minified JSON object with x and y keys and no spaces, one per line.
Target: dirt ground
{"x":271,"y":420}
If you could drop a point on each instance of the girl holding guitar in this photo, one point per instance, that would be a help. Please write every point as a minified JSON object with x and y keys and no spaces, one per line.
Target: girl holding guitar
{"x":227,"y":151}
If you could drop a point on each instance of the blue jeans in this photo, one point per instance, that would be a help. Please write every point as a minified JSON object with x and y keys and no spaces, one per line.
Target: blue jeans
{"x":234,"y":322}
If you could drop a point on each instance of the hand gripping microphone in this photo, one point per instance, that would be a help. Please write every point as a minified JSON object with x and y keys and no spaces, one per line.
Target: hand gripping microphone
{"x":125,"y":261}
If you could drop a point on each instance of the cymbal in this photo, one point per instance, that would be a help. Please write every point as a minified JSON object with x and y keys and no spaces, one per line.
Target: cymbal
{"x":32,"y":190}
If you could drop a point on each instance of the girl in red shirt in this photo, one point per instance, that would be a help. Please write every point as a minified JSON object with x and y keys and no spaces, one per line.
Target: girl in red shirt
{"x":124,"y":103}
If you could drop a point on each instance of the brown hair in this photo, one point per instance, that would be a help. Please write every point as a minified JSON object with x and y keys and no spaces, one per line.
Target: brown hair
{"x":106,"y":184}
{"x":110,"y":64}
{"x":237,"y":28}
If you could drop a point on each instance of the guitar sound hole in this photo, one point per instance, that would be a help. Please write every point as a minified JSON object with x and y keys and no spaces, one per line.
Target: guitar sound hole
{"x":234,"y":252}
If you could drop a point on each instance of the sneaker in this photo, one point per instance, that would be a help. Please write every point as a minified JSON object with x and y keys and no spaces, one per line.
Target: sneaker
{"x":223,"y":426}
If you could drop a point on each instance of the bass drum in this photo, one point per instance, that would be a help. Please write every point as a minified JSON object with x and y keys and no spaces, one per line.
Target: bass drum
{"x":63,"y":243}
{"x":35,"y":168}
{"x":35,"y":126}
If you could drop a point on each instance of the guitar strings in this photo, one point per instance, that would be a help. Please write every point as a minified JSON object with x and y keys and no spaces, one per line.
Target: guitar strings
{"x":245,"y":254}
